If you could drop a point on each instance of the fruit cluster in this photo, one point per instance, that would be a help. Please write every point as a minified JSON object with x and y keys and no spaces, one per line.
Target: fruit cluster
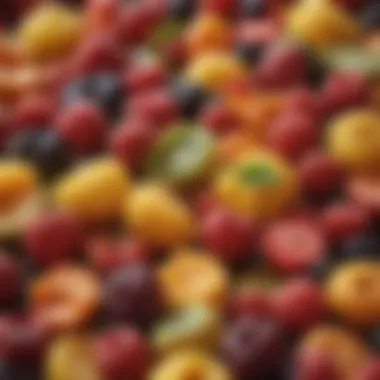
{"x":190,"y":190}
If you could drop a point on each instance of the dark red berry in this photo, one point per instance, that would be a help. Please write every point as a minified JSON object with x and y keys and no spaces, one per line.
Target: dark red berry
{"x":314,"y":366}
{"x":10,"y":278}
{"x":53,"y":238}
{"x":293,"y":245}
{"x":222,"y":7}
{"x":83,"y":126}
{"x":144,"y":78}
{"x":249,"y":302}
{"x":218,"y":119}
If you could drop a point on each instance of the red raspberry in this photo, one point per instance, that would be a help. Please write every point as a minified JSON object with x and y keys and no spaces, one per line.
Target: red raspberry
{"x":100,"y":52}
{"x":218,"y":119}
{"x":107,"y":254}
{"x":293,"y":245}
{"x":53,"y":238}
{"x":292,"y":135}
{"x":370,"y":371}
{"x":249,"y":302}
{"x":282,"y":69}
{"x":227,"y":235}
{"x":344,"y":90}
{"x":131,"y":143}
{"x":144,"y":78}
{"x":298,"y":304}
{"x":122,"y":353}
{"x":34,"y":111}
{"x":10,"y":278}
{"x":341,"y":221}
{"x":158,"y":108}
{"x":83,"y":126}
{"x":319,"y":173}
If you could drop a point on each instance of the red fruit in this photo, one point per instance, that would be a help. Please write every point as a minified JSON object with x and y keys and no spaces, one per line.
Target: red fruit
{"x":158,"y":108}
{"x":350,"y":4}
{"x":298,"y":304}
{"x":258,"y":33}
{"x":319,"y":173}
{"x":223,"y":7}
{"x":370,"y":371}
{"x":53,"y":238}
{"x":293,"y":245}
{"x":315,"y":366}
{"x":282,"y":69}
{"x":100,"y":52}
{"x":292,"y":135}
{"x":249,"y":302}
{"x":204,"y":203}
{"x":122,"y":353}
{"x":218,"y":119}
{"x":107,"y":254}
{"x":365,"y":191}
{"x":341,"y":221}
{"x":176,"y":53}
{"x":227,"y":235}
{"x":34,"y":111}
{"x":5,"y":127}
{"x":345,"y":90}
{"x":83,"y":126}
{"x":10,"y":278}
{"x":144,"y":78}
{"x":131,"y":143}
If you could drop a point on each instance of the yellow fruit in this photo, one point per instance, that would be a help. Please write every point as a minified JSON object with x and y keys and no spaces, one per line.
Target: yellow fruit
{"x":190,"y":365}
{"x":158,"y":216}
{"x":354,"y":140}
{"x":71,"y":358}
{"x":193,"y":277}
{"x":214,"y":70}
{"x":353,"y":292}
{"x":259,"y":185}
{"x":18,"y":180}
{"x":50,"y":31}
{"x":346,"y":351}
{"x":321,"y":24}
{"x":95,"y":191}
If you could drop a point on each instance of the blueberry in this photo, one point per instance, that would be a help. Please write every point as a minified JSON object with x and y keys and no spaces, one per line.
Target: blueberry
{"x":190,"y":97}
{"x":250,"y":53}
{"x":104,"y":89}
{"x":370,"y":16}
{"x":253,"y":8}
{"x":182,"y":9}
{"x":367,"y":245}
{"x":45,"y":149}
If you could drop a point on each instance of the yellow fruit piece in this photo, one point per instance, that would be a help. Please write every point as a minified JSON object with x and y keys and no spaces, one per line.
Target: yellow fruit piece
{"x":321,"y":24}
{"x":214,"y":70}
{"x":353,"y":292}
{"x":95,"y":191}
{"x":71,"y":358}
{"x":207,"y":33}
{"x":158,"y":216}
{"x":354,"y":140}
{"x":259,"y":185}
{"x":50,"y":31}
{"x":18,"y":180}
{"x":193,"y":277}
{"x":346,"y":351}
{"x":190,"y":365}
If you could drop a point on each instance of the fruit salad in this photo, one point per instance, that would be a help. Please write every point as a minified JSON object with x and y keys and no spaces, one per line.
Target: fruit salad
{"x":190,"y":190}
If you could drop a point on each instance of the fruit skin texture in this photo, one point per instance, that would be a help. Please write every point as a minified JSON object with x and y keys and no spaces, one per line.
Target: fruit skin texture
{"x":158,"y":217}
{"x":351,"y":292}
{"x":122,"y":353}
{"x":95,"y":192}
{"x":314,"y":366}
{"x":346,"y":351}
{"x":260,"y":199}
{"x":298,"y":304}
{"x":54,"y":237}
{"x":227,"y":235}
{"x":353,"y":140}
{"x":189,"y":363}
{"x":369,"y":371}
{"x":177,"y":280}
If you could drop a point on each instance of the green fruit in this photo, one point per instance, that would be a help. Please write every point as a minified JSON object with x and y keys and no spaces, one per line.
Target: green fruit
{"x":182,"y":155}
{"x":167,"y":32}
{"x":197,"y":326}
{"x":356,"y":59}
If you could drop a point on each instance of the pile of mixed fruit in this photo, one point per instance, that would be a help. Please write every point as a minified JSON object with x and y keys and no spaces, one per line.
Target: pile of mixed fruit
{"x":190,"y":190}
